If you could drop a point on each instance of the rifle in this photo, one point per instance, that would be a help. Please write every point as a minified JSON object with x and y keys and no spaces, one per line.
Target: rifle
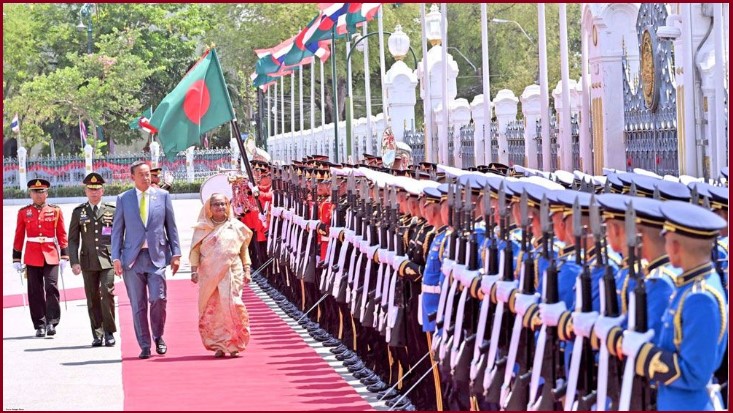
{"x":466,"y":270}
{"x":340,"y":271}
{"x":489,"y":277}
{"x":312,"y":246}
{"x":363,"y":220}
{"x":326,"y":278}
{"x":548,"y":358}
{"x":445,"y":269}
{"x":494,"y":376}
{"x":515,"y":390}
{"x":582,"y":362}
{"x":635,"y":391}
{"x":396,"y":333}
{"x":381,"y":292}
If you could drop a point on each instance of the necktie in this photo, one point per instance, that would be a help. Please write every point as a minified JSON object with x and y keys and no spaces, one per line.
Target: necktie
{"x":143,"y":208}
{"x":94,"y":209}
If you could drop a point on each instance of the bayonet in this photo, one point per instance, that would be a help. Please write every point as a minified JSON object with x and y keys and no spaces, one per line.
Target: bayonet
{"x":706,"y":203}
{"x":577,"y":229}
{"x":694,"y":196}
{"x":607,"y":186}
{"x":595,"y":228}
{"x":632,"y":189}
{"x":656,"y":195}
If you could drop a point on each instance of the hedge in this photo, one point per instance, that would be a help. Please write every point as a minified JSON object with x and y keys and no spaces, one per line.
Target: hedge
{"x":109,"y":189}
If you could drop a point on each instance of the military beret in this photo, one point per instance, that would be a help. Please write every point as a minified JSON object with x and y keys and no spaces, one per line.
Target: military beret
{"x":93,"y":181}
{"x":691,"y":220}
{"x":38,"y":184}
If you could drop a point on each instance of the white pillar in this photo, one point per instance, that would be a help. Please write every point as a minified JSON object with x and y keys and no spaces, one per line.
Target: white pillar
{"x":719,"y":158}
{"x":275,"y":110}
{"x":154,"y":153}
{"x":565,"y":142}
{"x":485,"y":126}
{"x":446,"y":107}
{"x":544,"y":88}
{"x":586,"y":154}
{"x":425,"y":90}
{"x":531,"y":111}
{"x":350,"y":92}
{"x":563,"y":109}
{"x":22,"y":168}
{"x":400,"y":82}
{"x":505,"y":107}
{"x":460,"y":116}
{"x":480,"y":107}
{"x":234,"y":148}
{"x":88,"y":153}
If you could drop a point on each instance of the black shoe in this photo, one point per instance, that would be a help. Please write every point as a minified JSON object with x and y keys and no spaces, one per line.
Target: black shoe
{"x":331,"y":342}
{"x":50,"y":330}
{"x":41,"y":332}
{"x":345,"y":355}
{"x":370,"y":379}
{"x":351,"y":360}
{"x":145,"y":354}
{"x":109,"y":339}
{"x":160,"y":346}
{"x":377,"y":387}
{"x":388,"y":395}
{"x":339,"y":349}
{"x":97,"y":342}
{"x":356,"y":369}
{"x":362,"y":374}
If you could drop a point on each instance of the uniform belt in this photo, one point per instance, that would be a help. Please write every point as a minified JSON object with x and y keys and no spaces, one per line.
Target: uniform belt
{"x":433,"y":289}
{"x":41,"y":240}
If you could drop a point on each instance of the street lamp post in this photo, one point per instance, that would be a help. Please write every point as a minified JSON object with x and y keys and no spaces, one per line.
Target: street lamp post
{"x":86,"y":12}
{"x":396,"y":44}
{"x":537,"y":73}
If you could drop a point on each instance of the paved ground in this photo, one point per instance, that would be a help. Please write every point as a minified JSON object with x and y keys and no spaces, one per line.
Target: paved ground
{"x":65,"y":372}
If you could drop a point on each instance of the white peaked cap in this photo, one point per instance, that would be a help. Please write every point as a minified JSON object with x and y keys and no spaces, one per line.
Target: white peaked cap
{"x":686,"y":179}
{"x":600,"y":179}
{"x":607,"y":171}
{"x":546,"y":183}
{"x":647,"y":173}
{"x":451,"y":171}
{"x":565,"y":176}
{"x":671,"y":178}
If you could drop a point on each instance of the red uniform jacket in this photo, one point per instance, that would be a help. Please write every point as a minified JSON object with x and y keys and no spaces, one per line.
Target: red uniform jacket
{"x":43,"y":227}
{"x":324,"y":214}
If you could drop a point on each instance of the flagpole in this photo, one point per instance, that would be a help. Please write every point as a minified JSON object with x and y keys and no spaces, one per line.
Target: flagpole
{"x":385,"y":108}
{"x":282,"y":112}
{"x":301,"y":144}
{"x":245,"y":158}
{"x":349,"y":97}
{"x":274,"y":118}
{"x":367,"y":94}
{"x":313,"y":104}
{"x":335,"y":112}
{"x":427,"y":101}
{"x":486,"y":150}
{"x":323,"y":147}
{"x":292,"y":112}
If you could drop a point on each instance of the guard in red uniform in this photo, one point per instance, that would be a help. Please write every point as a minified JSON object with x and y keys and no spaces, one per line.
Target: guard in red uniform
{"x":262,"y":175}
{"x":41,"y":229}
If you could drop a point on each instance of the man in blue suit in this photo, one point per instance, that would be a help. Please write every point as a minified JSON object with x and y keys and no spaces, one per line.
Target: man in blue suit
{"x":144,"y":242}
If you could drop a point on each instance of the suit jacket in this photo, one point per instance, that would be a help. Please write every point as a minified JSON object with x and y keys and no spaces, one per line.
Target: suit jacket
{"x":129,"y":233}
{"x":93,"y":233}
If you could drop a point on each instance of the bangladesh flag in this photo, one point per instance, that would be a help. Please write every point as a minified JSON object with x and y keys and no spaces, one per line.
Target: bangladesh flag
{"x":197,"y":105}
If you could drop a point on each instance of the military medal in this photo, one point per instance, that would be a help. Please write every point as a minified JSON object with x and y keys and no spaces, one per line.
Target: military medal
{"x":83,"y":218}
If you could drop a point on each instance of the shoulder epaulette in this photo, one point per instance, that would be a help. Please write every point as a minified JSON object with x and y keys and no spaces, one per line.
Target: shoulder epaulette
{"x":80,"y":206}
{"x":27,"y":206}
{"x":54,"y":206}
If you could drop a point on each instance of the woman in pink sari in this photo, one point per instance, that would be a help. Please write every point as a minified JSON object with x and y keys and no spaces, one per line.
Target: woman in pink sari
{"x":220,"y":264}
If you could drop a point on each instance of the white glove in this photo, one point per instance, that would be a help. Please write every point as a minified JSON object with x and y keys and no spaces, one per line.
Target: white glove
{"x":583,"y":323}
{"x":397,"y":261}
{"x":388,"y":257}
{"x":349,"y":236}
{"x":382,"y":255}
{"x":447,"y":266}
{"x":605,"y":324}
{"x":468,"y":277}
{"x":62,"y":265}
{"x":333,"y":232}
{"x":488,"y":281}
{"x":524,"y":301}
{"x":18,"y":266}
{"x":458,"y":272}
{"x":550,"y":313}
{"x":504,"y":290}
{"x":263,"y":219}
{"x":633,"y":341}
{"x":370,"y":251}
{"x":365,"y":247}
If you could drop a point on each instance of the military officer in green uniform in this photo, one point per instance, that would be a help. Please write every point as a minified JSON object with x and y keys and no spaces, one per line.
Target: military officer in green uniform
{"x":90,"y":241}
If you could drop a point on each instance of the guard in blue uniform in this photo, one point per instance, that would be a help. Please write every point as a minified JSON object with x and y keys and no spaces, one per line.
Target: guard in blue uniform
{"x":432,"y":278}
{"x":694,"y":334}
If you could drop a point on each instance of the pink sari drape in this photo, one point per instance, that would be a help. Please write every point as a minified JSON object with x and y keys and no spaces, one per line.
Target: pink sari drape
{"x":223,"y":318}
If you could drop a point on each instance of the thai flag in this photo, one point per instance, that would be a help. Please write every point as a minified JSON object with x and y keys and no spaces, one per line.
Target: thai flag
{"x":145,"y":125}
{"x":15,"y":124}
{"x":82,"y":133}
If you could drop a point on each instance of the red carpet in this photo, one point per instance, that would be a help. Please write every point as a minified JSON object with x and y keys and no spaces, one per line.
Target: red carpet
{"x":278,"y":371}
